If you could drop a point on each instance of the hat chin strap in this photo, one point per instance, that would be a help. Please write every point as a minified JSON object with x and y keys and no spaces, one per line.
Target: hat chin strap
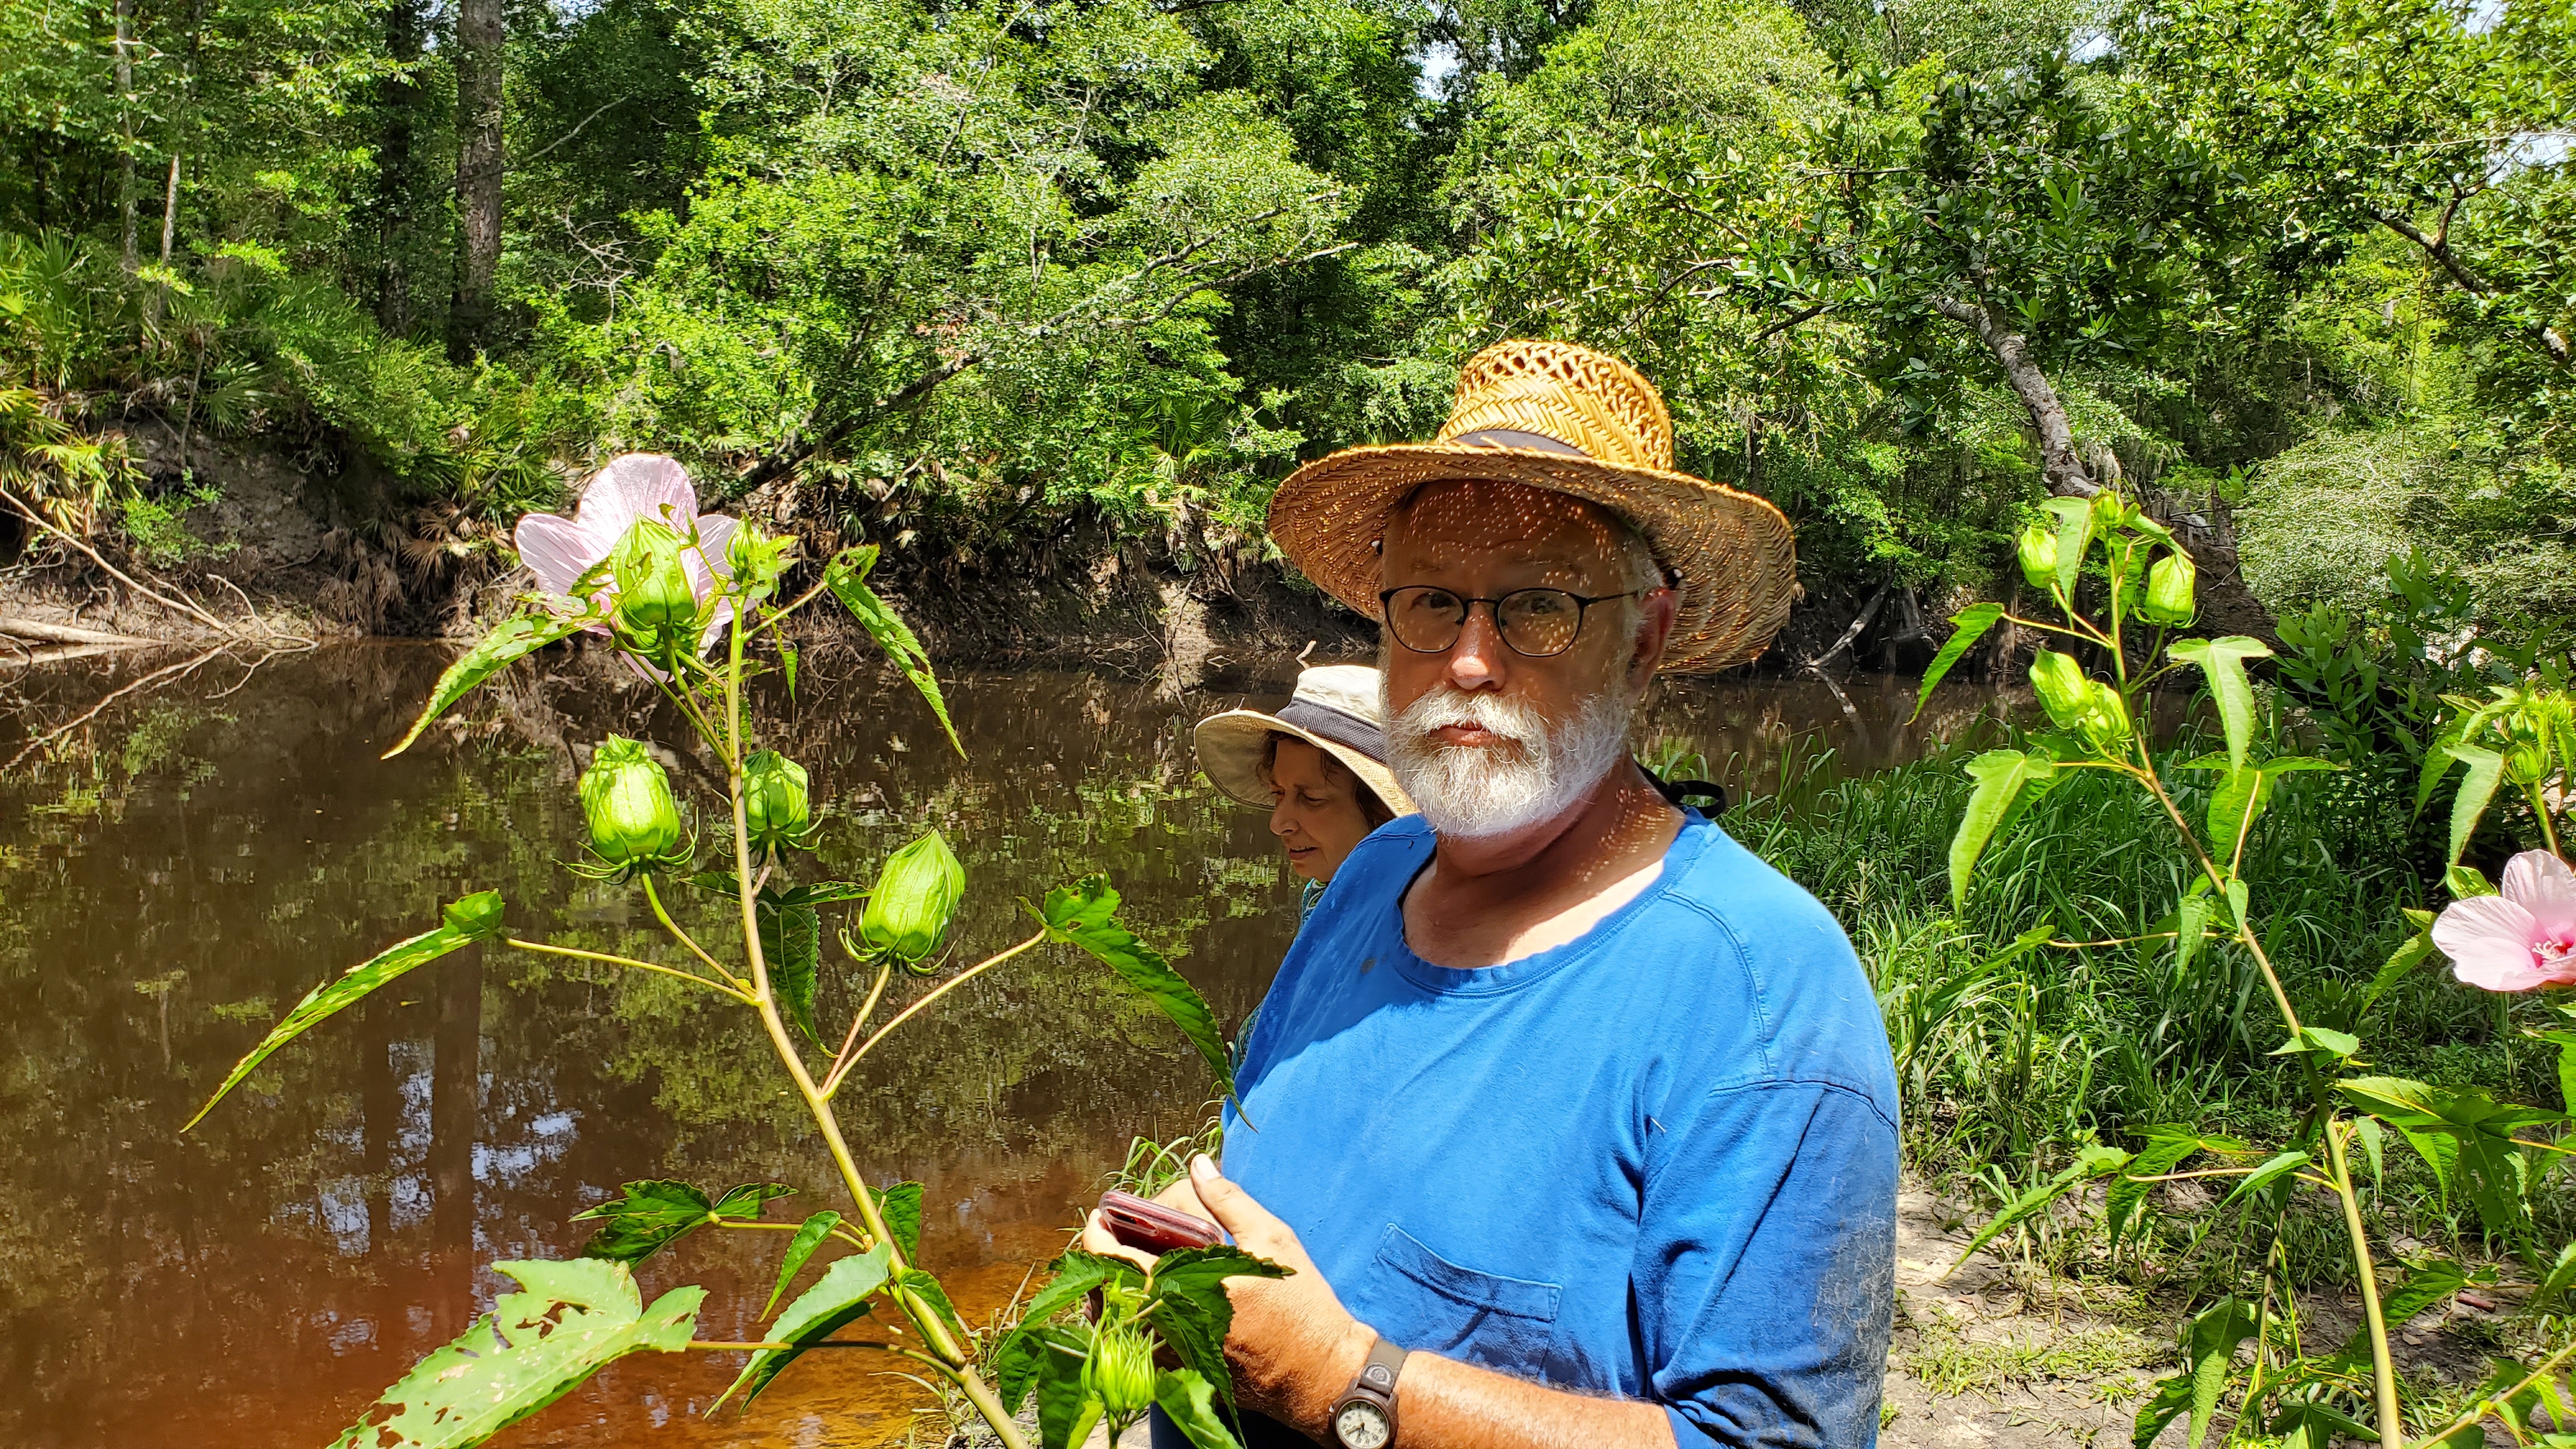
{"x":1514,"y":438}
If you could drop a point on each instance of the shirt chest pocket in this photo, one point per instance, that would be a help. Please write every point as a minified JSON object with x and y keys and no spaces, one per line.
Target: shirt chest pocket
{"x":1461,"y":1312}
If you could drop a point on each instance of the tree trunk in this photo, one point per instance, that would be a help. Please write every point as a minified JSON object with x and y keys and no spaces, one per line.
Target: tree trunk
{"x":2060,"y":465}
{"x":170,"y":210}
{"x":395,"y":183}
{"x":128,"y":204}
{"x":478,"y":175}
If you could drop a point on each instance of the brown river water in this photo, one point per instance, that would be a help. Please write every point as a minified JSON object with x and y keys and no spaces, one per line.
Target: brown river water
{"x":184,"y":851}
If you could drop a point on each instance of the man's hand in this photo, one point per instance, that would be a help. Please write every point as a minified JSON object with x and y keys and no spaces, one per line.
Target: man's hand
{"x":1293,"y":1347}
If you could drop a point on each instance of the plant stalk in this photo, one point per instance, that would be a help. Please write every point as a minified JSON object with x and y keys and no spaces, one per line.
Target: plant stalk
{"x":2383,"y":1369}
{"x":953,"y":1356}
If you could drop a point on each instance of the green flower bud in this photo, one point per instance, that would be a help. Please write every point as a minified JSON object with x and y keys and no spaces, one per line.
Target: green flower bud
{"x":627,"y":799}
{"x":914,"y":896}
{"x":2038,"y":547}
{"x":2105,"y":722}
{"x":653,"y":591}
{"x":2169,"y":591}
{"x":2061,"y":685}
{"x":2526,"y":751}
{"x":1120,"y":1373}
{"x":774,"y":802}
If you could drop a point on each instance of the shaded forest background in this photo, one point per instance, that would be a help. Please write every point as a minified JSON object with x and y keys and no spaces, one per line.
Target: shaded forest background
{"x":960,"y":277}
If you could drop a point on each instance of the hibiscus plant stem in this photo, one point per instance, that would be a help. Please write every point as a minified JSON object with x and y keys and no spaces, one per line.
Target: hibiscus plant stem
{"x":952,"y":1358}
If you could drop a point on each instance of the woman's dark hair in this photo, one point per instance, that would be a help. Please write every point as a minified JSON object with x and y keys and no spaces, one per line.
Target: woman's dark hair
{"x":1372,"y":809}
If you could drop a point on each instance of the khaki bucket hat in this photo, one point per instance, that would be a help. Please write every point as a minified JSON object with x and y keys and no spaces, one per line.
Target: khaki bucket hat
{"x":1335,"y":709}
{"x":1565,"y":418}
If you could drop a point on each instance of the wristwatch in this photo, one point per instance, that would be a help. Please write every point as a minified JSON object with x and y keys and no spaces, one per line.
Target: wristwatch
{"x":1364,"y":1416}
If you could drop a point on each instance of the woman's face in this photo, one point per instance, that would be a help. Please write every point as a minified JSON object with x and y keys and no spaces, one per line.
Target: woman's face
{"x":1318,"y":816}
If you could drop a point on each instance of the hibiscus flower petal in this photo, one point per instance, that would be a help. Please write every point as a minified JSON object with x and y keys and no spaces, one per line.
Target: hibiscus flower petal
{"x":2542,"y":884}
{"x":555,"y":549}
{"x":2488,"y":939}
{"x":633,"y":486}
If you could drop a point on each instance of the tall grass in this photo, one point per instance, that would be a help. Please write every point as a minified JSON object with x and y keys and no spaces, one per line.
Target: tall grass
{"x":2007,"y":1064}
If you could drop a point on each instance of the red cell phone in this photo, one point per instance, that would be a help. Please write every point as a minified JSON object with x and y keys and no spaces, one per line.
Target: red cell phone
{"x":1150,"y":1227}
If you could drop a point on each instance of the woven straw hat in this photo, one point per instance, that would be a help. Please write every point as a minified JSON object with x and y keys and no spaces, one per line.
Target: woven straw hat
{"x":1565,"y":418}
{"x":1335,"y":709}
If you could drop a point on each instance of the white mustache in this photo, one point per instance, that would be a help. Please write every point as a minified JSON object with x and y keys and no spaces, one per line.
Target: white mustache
{"x":1514,"y":723}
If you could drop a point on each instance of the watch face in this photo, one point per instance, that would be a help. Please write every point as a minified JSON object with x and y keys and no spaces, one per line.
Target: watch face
{"x":1362,"y":1425}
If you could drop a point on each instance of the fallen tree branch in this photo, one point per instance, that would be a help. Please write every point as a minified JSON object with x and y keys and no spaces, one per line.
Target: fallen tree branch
{"x":65,"y":633}
{"x":2059,"y":463}
{"x":191,"y":610}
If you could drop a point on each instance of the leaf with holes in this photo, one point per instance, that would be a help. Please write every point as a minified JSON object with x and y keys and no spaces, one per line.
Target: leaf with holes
{"x":474,"y":918}
{"x":569,"y":1321}
{"x":839,"y":1297}
{"x":514,"y":640}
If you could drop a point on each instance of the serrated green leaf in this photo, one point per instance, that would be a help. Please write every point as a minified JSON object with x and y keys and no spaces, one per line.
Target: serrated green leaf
{"x":2319,"y":1039}
{"x":2234,"y":806}
{"x":1076,"y":1274}
{"x":2090,"y":1162}
{"x":569,"y":1321}
{"x":2400,"y":961}
{"x":1066,"y":1408}
{"x":2222,"y":664}
{"x":2270,"y":1172}
{"x":2074,"y":536}
{"x":648,"y":1216}
{"x":838,"y":1298}
{"x":791,"y":940}
{"x":2565,"y":1041}
{"x":1189,"y":1401}
{"x":2425,"y":1284}
{"x":2007,"y":781}
{"x":2209,"y":1355}
{"x":2191,"y":925}
{"x":847,"y":577}
{"x":2477,"y":788}
{"x":1969,"y":625}
{"x":1188,"y":1306}
{"x":1085,"y":914}
{"x":923,"y":1286}
{"x":465,"y":921}
{"x":2165,"y":1150}
{"x":900,"y":1206}
{"x":1017,"y":1361}
{"x":800,"y":1249}
{"x":514,"y":640}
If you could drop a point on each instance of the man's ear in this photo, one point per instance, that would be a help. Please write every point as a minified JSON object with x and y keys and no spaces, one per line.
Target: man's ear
{"x":1656,"y":615}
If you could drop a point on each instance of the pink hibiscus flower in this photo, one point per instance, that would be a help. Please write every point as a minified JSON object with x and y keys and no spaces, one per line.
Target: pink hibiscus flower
{"x":2519,"y":940}
{"x":633,"y":486}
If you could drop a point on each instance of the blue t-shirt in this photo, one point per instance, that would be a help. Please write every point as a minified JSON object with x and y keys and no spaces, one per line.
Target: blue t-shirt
{"x":1657,"y":1162}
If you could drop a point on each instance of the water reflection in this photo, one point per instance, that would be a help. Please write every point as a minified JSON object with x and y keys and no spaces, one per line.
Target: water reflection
{"x":178,"y":866}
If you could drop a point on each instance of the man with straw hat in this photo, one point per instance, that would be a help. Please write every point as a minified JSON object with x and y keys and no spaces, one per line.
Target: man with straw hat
{"x":1573,"y":1120}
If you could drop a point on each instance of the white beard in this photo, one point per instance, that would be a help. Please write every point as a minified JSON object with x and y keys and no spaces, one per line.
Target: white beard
{"x":1532,"y":772}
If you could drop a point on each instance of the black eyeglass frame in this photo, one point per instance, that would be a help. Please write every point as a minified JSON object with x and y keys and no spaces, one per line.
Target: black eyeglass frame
{"x":1582,"y":611}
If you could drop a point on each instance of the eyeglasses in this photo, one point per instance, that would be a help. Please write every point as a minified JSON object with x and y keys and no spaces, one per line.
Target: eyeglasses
{"x":1534,"y":622}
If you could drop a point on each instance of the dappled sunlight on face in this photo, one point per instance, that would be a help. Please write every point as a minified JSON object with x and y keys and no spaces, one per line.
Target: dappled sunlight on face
{"x":1486,"y":736}
{"x":1318,"y":817}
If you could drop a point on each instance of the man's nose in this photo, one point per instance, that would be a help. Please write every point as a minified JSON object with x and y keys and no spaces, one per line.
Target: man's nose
{"x":1476,"y":660}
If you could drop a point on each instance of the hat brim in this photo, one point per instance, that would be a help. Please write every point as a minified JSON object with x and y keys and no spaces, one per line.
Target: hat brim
{"x":1231,"y":747}
{"x":1734,"y":555}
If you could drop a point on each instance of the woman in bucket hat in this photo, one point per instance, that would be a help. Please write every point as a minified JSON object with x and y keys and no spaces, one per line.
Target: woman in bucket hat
{"x":1318,"y":766}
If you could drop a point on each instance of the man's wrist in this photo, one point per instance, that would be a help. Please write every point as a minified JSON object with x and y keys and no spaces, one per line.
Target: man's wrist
{"x":1339,"y":1366}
